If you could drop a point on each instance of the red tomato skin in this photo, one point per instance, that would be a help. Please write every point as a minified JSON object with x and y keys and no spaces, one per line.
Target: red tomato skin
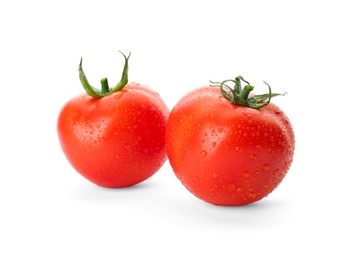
{"x":226,"y":154}
{"x":115,"y":141}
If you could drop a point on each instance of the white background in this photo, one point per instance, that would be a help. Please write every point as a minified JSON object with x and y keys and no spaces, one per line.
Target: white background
{"x":304,"y":48}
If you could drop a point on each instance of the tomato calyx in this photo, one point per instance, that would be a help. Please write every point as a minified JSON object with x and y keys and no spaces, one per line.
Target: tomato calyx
{"x":241,"y":96}
{"x":105,"y":90}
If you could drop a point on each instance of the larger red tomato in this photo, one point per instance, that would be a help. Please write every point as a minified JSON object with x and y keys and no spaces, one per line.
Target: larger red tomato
{"x":228,"y":147}
{"x":114,"y":138}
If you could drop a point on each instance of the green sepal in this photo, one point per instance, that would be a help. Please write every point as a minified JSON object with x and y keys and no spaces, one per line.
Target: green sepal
{"x":241,"y":96}
{"x":105,"y":90}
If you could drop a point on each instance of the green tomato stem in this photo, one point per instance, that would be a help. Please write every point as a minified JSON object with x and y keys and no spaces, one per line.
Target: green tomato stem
{"x":105,"y":90}
{"x":104,"y":85}
{"x":241,"y":96}
{"x":245,"y":93}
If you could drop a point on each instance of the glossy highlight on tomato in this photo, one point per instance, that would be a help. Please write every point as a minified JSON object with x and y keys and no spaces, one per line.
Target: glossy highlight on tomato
{"x":228,"y":154}
{"x":115,"y":139}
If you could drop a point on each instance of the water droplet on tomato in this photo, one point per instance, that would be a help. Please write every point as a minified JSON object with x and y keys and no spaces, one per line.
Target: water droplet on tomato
{"x":213,"y":144}
{"x":101,"y":139}
{"x":265,"y":167}
{"x":276,"y":171}
{"x":238,"y":149}
{"x":231,"y":187}
{"x":245,"y":174}
{"x":203,"y":153}
{"x":220,"y":129}
{"x":254,"y":156}
{"x":252,"y":195}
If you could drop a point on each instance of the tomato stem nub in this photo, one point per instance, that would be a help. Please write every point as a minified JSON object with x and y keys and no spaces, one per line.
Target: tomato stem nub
{"x":105,"y":90}
{"x":241,"y":96}
{"x":104,"y":85}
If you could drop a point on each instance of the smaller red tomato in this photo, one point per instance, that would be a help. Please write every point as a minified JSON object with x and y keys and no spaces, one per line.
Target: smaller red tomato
{"x":227,"y":147}
{"x":114,"y":137}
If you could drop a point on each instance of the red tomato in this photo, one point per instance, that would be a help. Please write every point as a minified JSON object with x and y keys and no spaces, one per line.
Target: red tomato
{"x":228,"y":154}
{"x":116,"y":140}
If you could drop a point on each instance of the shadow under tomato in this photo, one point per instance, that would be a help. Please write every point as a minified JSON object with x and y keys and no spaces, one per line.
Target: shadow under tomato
{"x":262,"y":213}
{"x":93,"y":193}
{"x":265,"y":213}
